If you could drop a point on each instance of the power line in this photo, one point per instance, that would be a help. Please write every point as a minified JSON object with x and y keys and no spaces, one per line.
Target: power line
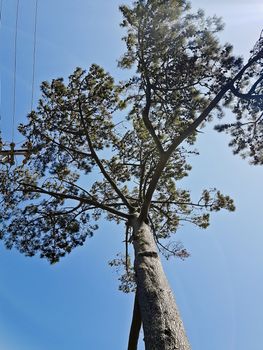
{"x":34,"y":54}
{"x":1,"y":10}
{"x":1,"y":7}
{"x":15,"y":64}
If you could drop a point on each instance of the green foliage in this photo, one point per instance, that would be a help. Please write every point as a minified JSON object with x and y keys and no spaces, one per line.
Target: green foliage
{"x":98,"y":147}
{"x":179,"y":61}
{"x":126,"y":273}
{"x":247,"y":105}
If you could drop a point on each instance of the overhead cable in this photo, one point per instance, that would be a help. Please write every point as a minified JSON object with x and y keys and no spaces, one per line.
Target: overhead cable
{"x":34,"y":53}
{"x":15,"y":68}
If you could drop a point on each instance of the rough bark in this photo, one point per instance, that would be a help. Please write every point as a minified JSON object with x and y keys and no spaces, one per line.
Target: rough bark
{"x":162,"y":325}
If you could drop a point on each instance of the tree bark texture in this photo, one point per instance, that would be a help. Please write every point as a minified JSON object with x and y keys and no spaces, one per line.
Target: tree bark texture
{"x":162,"y":325}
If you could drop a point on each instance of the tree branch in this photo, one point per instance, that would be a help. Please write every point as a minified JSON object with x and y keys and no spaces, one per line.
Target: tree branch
{"x":185,"y":203}
{"x":247,"y":96}
{"x":100,"y":165}
{"x":84,"y":200}
{"x":254,"y":86}
{"x":146,"y":120}
{"x":65,"y":212}
{"x":146,"y":110}
{"x":68,"y":149}
{"x":187,"y":132}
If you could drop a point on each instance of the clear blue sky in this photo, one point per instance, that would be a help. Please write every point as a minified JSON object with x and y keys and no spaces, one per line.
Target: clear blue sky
{"x":75,"y":304}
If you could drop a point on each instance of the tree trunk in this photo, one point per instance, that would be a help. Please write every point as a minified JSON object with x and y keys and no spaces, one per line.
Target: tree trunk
{"x":162,"y":325}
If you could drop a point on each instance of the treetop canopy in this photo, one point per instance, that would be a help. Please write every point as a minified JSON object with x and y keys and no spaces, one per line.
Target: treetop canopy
{"x":97,"y":146}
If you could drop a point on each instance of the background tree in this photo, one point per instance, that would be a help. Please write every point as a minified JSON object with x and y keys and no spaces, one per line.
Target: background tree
{"x":184,"y":77}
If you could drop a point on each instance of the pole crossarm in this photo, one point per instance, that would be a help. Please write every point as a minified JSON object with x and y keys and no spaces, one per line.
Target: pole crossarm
{"x":8,"y":155}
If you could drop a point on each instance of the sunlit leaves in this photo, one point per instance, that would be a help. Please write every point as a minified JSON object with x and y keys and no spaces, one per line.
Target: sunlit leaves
{"x":178,"y":58}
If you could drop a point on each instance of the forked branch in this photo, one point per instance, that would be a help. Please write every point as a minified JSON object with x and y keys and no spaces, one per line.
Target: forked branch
{"x":164,"y":158}
{"x":100,"y":165}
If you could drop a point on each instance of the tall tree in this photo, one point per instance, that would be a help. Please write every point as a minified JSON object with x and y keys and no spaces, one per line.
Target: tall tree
{"x":81,"y":165}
